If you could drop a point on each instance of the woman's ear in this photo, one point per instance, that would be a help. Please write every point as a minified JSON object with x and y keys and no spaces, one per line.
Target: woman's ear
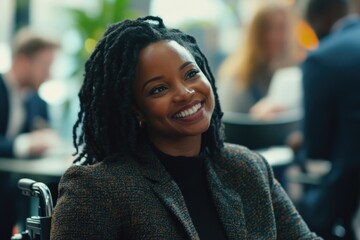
{"x":137,"y":113}
{"x":139,"y":117}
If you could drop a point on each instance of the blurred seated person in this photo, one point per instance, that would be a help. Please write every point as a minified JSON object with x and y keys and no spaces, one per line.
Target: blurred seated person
{"x":246,"y":76}
{"x":153,"y":161}
{"x":331,"y":86}
{"x":284,"y":95}
{"x":23,"y":117}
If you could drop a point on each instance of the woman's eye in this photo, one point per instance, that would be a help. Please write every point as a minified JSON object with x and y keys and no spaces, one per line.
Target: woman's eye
{"x":192,"y":73}
{"x":157,"y":90}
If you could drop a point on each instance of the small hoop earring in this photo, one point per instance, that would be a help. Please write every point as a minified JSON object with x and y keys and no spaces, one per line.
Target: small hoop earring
{"x":141,"y":124}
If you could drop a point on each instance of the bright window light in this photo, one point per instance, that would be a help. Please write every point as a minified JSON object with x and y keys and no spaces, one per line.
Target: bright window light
{"x":177,"y":12}
{"x":54,"y":92}
{"x":5,"y":57}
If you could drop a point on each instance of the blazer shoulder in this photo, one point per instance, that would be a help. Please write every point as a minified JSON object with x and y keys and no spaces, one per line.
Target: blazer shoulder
{"x":90,"y":193}
{"x":239,"y":154}
{"x":81,"y":180}
{"x":241,"y":159}
{"x":106,"y":173}
{"x":102,"y":177}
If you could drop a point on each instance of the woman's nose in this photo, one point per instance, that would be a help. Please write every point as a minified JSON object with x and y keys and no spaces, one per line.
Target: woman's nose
{"x":183,"y":93}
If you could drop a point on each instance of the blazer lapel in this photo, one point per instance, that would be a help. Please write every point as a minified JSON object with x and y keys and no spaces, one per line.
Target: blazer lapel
{"x":227,"y":202}
{"x":167,"y":191}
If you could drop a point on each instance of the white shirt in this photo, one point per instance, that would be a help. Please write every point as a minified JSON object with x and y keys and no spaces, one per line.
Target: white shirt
{"x":285,"y":88}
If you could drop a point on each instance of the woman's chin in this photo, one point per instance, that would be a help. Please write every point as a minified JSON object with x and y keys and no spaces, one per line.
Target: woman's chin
{"x":194,"y":130}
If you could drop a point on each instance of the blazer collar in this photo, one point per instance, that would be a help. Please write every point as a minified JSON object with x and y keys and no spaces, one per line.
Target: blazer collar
{"x":166,"y":189}
{"x":150,"y":165}
{"x":227,"y":202}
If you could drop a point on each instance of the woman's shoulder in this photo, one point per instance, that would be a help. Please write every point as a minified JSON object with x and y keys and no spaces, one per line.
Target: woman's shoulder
{"x":239,"y":154}
{"x":101,"y":176}
{"x":94,"y":194}
{"x":245,"y":162}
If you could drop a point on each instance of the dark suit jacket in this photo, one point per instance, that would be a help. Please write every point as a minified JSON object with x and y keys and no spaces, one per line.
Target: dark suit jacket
{"x":137,"y":199}
{"x":332,"y":98}
{"x":331,"y":78}
{"x":35,"y":108}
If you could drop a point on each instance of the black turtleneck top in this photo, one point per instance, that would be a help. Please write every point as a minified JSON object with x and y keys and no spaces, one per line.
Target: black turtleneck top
{"x":190,"y":175}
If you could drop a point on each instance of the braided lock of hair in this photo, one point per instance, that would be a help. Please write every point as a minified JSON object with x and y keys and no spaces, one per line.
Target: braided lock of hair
{"x":106,"y":125}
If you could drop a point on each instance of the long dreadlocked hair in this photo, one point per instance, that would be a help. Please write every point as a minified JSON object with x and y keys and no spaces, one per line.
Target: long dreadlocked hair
{"x":106,"y":125}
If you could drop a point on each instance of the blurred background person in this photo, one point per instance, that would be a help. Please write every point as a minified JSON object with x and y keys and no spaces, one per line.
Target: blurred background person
{"x":245,"y":77}
{"x":24,"y":114}
{"x":331,"y":85}
{"x":24,"y":118}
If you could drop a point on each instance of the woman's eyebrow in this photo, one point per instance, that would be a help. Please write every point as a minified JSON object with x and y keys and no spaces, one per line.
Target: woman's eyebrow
{"x":152,"y":80}
{"x":159,"y":77}
{"x":184,"y":65}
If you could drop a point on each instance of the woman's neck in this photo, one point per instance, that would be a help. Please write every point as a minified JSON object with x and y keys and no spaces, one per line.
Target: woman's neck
{"x":184,"y":146}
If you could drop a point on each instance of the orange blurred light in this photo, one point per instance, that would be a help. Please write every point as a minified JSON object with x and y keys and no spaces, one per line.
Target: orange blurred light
{"x":306,"y":36}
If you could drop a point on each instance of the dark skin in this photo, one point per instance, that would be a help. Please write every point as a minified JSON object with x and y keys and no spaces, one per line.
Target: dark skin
{"x":323,"y":21}
{"x":173,"y":98}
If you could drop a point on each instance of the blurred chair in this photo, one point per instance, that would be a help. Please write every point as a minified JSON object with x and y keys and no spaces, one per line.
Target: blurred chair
{"x":258,"y":134}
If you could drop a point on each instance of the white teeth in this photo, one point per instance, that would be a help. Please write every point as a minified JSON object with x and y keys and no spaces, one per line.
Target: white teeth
{"x":188,"y":112}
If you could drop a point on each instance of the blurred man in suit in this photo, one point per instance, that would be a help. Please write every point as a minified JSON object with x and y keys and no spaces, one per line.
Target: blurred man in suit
{"x":331,"y":84}
{"x":23,"y":115}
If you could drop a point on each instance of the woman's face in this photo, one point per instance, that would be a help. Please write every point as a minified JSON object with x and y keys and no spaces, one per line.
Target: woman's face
{"x":276,"y":35}
{"x":173,"y":98}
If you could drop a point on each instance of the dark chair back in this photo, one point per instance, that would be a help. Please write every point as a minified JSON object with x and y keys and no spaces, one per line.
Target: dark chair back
{"x":256,"y":134}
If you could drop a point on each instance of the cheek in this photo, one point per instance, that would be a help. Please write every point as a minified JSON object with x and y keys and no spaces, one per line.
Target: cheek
{"x":212,"y":102}
{"x":155,"y":109}
{"x":208,"y":93}
{"x":36,"y":74}
{"x":208,"y":89}
{"x":32,"y":76}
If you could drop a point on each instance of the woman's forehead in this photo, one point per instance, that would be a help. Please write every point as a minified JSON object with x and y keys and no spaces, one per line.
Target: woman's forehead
{"x":163,"y":49}
{"x":160,"y":59}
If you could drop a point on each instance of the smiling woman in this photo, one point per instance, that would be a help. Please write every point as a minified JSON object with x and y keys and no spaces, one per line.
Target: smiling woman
{"x":154,"y":165}
{"x":173,"y":98}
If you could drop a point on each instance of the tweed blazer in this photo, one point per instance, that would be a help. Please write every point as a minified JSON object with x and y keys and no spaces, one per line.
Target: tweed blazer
{"x":137,"y":199}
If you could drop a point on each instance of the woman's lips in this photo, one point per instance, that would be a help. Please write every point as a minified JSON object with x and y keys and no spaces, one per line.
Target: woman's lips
{"x":190,"y":114}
